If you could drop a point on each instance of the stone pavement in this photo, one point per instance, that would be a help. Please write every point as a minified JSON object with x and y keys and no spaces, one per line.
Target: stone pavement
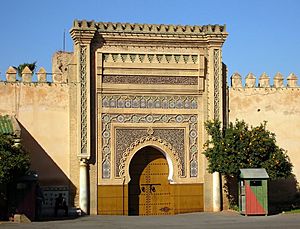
{"x":225,"y":220}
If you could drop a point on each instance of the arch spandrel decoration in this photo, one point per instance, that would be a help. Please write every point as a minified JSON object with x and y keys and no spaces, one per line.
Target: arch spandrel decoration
{"x":174,"y":136}
{"x":174,"y":162}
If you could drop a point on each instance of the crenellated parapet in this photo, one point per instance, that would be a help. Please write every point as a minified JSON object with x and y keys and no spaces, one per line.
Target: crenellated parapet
{"x":263,"y":81}
{"x":27,"y":76}
{"x":108,"y":27}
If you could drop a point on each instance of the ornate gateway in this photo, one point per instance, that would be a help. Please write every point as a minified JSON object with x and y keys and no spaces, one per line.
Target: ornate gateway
{"x":143,"y":93}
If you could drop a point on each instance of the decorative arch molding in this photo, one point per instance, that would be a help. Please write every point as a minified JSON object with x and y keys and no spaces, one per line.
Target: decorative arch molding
{"x":174,"y":162}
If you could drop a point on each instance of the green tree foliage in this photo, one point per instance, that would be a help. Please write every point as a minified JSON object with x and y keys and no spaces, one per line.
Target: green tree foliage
{"x":240,"y":146}
{"x":14,"y":161}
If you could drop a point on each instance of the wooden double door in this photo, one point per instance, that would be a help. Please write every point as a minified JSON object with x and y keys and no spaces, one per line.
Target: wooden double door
{"x":149,"y":192}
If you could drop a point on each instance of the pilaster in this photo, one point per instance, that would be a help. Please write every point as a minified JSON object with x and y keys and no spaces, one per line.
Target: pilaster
{"x":215,"y":112}
{"x":82,"y":34}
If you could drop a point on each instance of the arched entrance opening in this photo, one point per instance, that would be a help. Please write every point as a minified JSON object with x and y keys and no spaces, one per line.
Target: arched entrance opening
{"x":149,"y":191}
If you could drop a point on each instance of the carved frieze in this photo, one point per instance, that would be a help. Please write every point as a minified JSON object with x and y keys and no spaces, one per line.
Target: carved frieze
{"x":155,"y":58}
{"x":133,"y":79}
{"x":153,"y":102}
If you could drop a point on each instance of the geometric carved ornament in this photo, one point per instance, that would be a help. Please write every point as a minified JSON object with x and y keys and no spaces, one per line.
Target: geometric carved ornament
{"x":159,"y":133}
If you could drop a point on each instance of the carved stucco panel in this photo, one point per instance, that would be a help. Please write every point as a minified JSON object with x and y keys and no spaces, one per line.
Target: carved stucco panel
{"x":216,"y":84}
{"x":83,"y":101}
{"x":125,"y":137}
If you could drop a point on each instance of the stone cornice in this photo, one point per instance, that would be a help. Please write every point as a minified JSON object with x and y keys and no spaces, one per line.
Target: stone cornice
{"x":214,"y":33}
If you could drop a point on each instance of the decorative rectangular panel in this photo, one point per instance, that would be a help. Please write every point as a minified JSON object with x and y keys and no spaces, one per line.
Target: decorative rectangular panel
{"x":153,"y":102}
{"x":167,"y":135}
{"x":135,"y":79}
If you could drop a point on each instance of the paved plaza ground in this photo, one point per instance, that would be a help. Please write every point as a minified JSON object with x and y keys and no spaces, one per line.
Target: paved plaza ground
{"x":195,"y":220}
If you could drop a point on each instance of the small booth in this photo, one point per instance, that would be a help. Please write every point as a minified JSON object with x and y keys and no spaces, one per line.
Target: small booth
{"x":253,"y":191}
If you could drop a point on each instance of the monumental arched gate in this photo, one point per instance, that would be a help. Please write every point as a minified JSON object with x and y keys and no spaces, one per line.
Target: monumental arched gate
{"x":146,"y":89}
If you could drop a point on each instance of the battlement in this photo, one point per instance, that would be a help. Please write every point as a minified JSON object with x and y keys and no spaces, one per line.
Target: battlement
{"x":109,"y":27}
{"x":27,"y":76}
{"x":264,"y":81}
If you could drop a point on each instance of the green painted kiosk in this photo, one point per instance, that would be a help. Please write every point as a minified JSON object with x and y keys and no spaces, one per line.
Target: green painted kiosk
{"x":253,"y":191}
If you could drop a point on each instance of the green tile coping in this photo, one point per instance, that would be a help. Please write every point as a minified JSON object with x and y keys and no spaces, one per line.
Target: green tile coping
{"x":9,"y":125}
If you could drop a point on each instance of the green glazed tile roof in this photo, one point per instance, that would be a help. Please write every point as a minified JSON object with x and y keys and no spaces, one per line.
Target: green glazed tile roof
{"x":254,"y":173}
{"x":6,"y":125}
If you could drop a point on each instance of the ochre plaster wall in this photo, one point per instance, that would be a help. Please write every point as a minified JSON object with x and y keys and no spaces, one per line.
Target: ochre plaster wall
{"x":280,"y":107}
{"x":42,"y":110}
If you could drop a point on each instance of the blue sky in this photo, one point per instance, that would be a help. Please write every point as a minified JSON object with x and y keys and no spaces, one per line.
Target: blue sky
{"x":264,"y":35}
